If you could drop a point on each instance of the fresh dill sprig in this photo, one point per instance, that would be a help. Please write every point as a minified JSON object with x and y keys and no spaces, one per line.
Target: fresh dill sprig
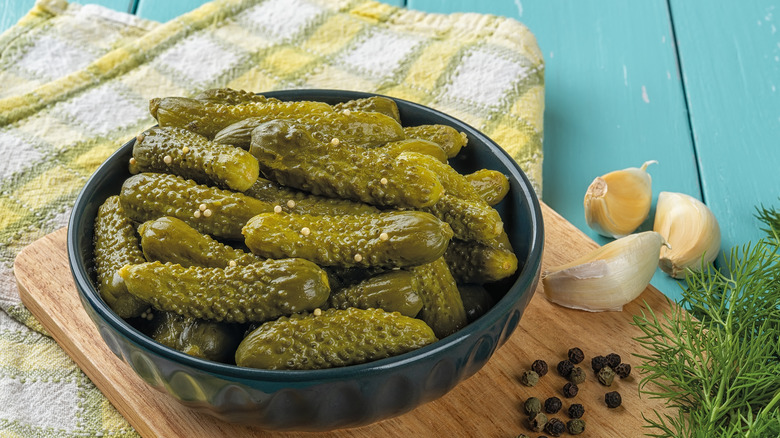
{"x":717,"y":364}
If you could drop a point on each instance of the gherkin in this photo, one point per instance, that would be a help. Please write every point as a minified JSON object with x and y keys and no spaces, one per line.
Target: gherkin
{"x":469,"y":220}
{"x":425,"y":147}
{"x":474,"y":262}
{"x":249,"y":293}
{"x":230,"y":96}
{"x":331,"y":339}
{"x":491,"y":185}
{"x":197,"y":337}
{"x":445,"y":136}
{"x":300,"y":202}
{"x":289,"y":154}
{"x":116,"y":245}
{"x":393,"y":291}
{"x":442,"y":307}
{"x":377,"y":104}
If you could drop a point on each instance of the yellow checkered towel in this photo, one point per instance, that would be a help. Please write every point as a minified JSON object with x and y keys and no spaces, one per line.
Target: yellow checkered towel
{"x":75,"y":82}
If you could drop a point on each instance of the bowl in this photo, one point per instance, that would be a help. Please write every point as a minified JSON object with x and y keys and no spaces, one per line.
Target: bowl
{"x":333,"y":398}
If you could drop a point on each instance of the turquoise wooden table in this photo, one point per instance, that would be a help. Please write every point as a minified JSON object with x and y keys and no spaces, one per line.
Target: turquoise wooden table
{"x":689,"y":83}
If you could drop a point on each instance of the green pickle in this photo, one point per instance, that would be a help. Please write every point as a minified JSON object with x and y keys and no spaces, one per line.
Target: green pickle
{"x":474,"y":262}
{"x":445,"y":136}
{"x":453,"y":182}
{"x":299,"y":202}
{"x":425,"y":147}
{"x":442,"y":307}
{"x":470,"y":220}
{"x":171,"y":240}
{"x":377,"y":104}
{"x":388,"y":240}
{"x":393,"y":291}
{"x":192,"y":156}
{"x":219,"y":213}
{"x":249,"y":293}
{"x":333,"y":338}
{"x":491,"y":185}
{"x":116,"y":245}
{"x":290,"y":155}
{"x":230,"y":96}
{"x":197,"y":337}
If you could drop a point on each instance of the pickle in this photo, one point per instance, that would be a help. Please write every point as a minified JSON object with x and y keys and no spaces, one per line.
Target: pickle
{"x":197,"y":337}
{"x":192,"y":156}
{"x":442,"y":307}
{"x":491,"y":185}
{"x":453,"y":182}
{"x":332,"y":339}
{"x":469,"y":220}
{"x":148,"y":196}
{"x":474,"y":262}
{"x":377,"y":104}
{"x":476,"y":300}
{"x":393,"y":291}
{"x":387,"y":240}
{"x":230,"y":96}
{"x":115,"y":246}
{"x":445,"y":136}
{"x":303,"y":202}
{"x":425,"y":147}
{"x":256,"y":292}
{"x":288,"y":154}
{"x":171,"y":240}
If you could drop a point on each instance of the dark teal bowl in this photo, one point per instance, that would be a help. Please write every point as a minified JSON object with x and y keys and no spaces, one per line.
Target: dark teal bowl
{"x":331,"y":398}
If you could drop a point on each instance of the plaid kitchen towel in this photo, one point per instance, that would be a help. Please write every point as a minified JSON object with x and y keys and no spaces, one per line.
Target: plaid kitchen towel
{"x":75,"y":85}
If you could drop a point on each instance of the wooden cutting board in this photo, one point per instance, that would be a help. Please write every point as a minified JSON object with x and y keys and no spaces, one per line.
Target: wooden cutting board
{"x":489,"y":404}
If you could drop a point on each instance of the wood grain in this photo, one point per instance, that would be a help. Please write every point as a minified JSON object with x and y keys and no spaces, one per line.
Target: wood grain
{"x":488,"y":404}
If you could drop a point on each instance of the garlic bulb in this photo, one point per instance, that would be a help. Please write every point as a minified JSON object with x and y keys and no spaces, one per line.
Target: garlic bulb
{"x":618,"y":202}
{"x":691,"y":230}
{"x":608,"y":277}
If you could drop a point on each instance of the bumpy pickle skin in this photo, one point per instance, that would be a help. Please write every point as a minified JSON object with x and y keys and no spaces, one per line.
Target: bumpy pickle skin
{"x":288,"y":154}
{"x":332,"y":339}
{"x":474,"y":262}
{"x":149,"y":196}
{"x":230,"y":96}
{"x":377,"y":104}
{"x":197,"y":337}
{"x":454,"y":183}
{"x":250,"y":293}
{"x":393,"y":291}
{"x":385,"y":240}
{"x":424,"y":147}
{"x":303,"y":202}
{"x":192,"y":156}
{"x":491,"y":185}
{"x":470,"y":220}
{"x":116,"y":245}
{"x":442,"y":307}
{"x":171,"y":240}
{"x":447,"y":137}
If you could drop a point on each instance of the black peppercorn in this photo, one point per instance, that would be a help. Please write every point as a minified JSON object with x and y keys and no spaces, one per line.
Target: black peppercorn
{"x":613,"y":399}
{"x":613,"y":360}
{"x":597,"y":363}
{"x":623,"y":370}
{"x":577,"y":375}
{"x":576,"y":426}
{"x":552,"y":405}
{"x":540,"y":367}
{"x":570,"y":390}
{"x":537,"y":421}
{"x":522,"y":435}
{"x":576,"y":355}
{"x":565,"y":367}
{"x":576,"y":411}
{"x":555,"y":427}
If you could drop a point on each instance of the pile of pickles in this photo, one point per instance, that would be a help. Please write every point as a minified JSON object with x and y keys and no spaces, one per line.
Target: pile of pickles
{"x":297,"y":234}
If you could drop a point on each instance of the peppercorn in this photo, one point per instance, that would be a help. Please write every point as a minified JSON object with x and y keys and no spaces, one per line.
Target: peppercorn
{"x":576,"y":411}
{"x":597,"y":363}
{"x":555,"y":427}
{"x":532,"y":406}
{"x":522,"y":435}
{"x":606,"y":376}
{"x":577,"y":375}
{"x":576,"y":426}
{"x":623,"y":370}
{"x":613,"y":399}
{"x":552,"y":405}
{"x":537,"y":421}
{"x":565,"y":367}
{"x":576,"y":355}
{"x":613,"y":360}
{"x":529,"y":378}
{"x":540,"y":367}
{"x":570,"y":390}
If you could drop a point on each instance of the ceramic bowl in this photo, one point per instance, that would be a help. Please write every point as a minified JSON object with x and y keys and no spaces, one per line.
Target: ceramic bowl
{"x":330,"y":398}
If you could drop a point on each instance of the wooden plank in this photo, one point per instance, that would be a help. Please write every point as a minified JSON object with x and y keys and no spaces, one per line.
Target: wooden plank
{"x":487,"y":404}
{"x":730,"y":57}
{"x":613,"y":97}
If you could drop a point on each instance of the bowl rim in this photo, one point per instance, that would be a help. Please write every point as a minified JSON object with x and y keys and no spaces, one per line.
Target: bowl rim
{"x":522,"y":285}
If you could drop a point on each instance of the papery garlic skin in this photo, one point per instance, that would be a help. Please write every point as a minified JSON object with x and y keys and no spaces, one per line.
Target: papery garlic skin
{"x":692,"y":231}
{"x":608,"y":277}
{"x":617,"y":203}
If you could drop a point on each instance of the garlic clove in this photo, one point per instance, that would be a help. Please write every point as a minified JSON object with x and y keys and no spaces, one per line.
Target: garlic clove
{"x":617,"y":203}
{"x":608,"y":277}
{"x":692,"y":231}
